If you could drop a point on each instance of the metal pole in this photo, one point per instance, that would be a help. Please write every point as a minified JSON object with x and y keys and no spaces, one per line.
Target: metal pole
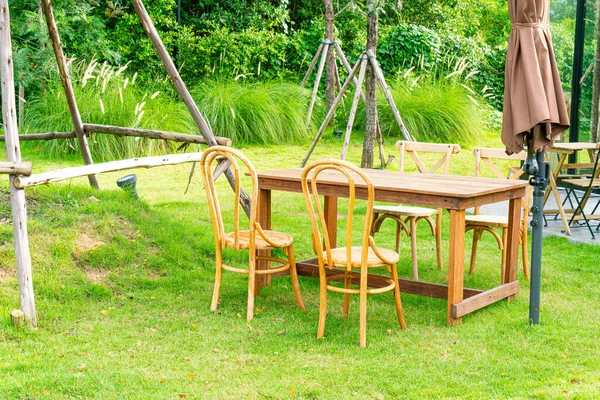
{"x":539,"y":170}
{"x":577,"y":72}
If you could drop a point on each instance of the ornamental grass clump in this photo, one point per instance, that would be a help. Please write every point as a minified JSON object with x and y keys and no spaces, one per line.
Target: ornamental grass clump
{"x":106,"y":95}
{"x":434,"y":107}
{"x":258,"y":112}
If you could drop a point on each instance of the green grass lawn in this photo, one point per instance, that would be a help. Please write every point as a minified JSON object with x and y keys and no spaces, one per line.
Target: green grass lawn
{"x":123,"y":290}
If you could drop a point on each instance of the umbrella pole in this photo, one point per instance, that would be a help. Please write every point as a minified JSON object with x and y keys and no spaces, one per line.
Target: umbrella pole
{"x":538,"y":170}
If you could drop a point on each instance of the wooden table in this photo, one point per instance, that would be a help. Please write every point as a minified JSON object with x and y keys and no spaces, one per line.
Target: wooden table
{"x":564,"y":150}
{"x":454,"y":193}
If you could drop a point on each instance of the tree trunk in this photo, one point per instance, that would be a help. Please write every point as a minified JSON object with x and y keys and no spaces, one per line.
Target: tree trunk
{"x":595,"y":128}
{"x":371,"y":89}
{"x":331,"y":67}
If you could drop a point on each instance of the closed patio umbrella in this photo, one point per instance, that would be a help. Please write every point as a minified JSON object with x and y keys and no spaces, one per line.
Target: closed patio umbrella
{"x":535,"y":112}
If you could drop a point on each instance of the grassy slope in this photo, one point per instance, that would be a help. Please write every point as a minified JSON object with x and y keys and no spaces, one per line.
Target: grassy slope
{"x":123,"y":290}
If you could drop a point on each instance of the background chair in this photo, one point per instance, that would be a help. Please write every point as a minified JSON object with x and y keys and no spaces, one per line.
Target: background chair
{"x":343,"y":260}
{"x":252,"y":239}
{"x":410,"y":214}
{"x":587,"y":184}
{"x":479,"y":223}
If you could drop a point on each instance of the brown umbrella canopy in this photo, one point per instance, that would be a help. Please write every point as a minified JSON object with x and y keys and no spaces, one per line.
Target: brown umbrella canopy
{"x":533,"y":96}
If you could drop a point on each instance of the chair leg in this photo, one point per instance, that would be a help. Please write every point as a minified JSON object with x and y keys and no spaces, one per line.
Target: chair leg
{"x":438,"y":238}
{"x":413,"y":246}
{"x":504,"y":244}
{"x":347,"y":283}
{"x":251,"y":282}
{"x":294,"y":273}
{"x":580,"y":204}
{"x":218,"y":277}
{"x":397,"y":301}
{"x":476,"y":236}
{"x":363,"y":307}
{"x":398,"y":232}
{"x":322,"y":301}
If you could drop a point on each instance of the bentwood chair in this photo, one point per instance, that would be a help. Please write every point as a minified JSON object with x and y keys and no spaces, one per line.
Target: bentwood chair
{"x":412,"y":215}
{"x":254,"y":238}
{"x":480,"y":223}
{"x":338,"y":264}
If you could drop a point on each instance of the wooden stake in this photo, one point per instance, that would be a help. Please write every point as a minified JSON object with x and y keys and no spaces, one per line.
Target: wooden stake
{"x":312,"y":65}
{"x":357,"y":92}
{"x":183,"y":92}
{"x":68,"y":88}
{"x":313,"y":97}
{"x":13,"y":154}
{"x":348,"y":67}
{"x":388,"y":96}
{"x":330,"y":113}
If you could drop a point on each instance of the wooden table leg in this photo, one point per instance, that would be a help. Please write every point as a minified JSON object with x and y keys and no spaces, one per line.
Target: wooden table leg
{"x":330,"y":207}
{"x":456,"y":263}
{"x":264,"y":219}
{"x":512,"y":242}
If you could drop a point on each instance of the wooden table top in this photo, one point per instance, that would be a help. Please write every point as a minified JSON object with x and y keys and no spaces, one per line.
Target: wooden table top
{"x":574,"y":146}
{"x":446,"y":191}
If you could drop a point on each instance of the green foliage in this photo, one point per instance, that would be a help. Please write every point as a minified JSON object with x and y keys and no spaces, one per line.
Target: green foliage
{"x":251,"y":54}
{"x":105,"y":95}
{"x":407,"y":44}
{"x":237,"y":15}
{"x":261,"y":112}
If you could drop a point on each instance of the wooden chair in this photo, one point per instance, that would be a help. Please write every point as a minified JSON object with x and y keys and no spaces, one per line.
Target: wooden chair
{"x":587,"y":184}
{"x":479,"y":223}
{"x":413,"y":215}
{"x":253,"y":239}
{"x":341,"y":261}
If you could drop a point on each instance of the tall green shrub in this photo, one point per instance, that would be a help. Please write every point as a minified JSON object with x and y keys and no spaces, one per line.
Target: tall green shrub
{"x":259,"y":112}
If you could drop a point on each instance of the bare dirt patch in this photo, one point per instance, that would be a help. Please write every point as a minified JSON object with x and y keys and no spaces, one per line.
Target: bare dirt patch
{"x":87,"y":240}
{"x":96,"y":275}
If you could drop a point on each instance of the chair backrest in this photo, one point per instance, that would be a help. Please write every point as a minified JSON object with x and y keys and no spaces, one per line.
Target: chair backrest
{"x":211,"y":159}
{"x":413,"y":149}
{"x":488,"y":157}
{"x":320,"y":235}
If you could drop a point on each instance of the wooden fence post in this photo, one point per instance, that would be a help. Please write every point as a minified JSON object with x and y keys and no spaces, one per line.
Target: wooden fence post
{"x":13,"y":153}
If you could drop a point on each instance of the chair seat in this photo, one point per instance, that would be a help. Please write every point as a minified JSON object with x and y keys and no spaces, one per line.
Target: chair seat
{"x":487,"y":220}
{"x":405,"y":211}
{"x":340,"y":259}
{"x":582,"y":183}
{"x":281,"y":239}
